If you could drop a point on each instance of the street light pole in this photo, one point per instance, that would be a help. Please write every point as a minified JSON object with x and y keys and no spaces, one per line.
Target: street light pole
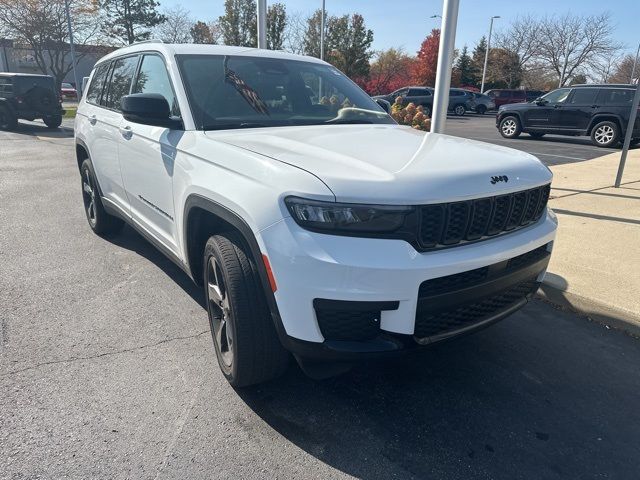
{"x":486,"y":54}
{"x":627,"y":138}
{"x":262,"y":24}
{"x":445,"y":59}
{"x":635,"y":63}
{"x":73,"y":51}
{"x":322,"y":26}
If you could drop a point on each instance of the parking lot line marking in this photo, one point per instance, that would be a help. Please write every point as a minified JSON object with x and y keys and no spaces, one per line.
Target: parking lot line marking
{"x":559,"y":156}
{"x":587,"y":147}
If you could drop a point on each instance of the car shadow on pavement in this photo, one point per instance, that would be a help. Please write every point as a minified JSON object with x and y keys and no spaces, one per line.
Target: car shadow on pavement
{"x":131,"y":240}
{"x":543,"y":394}
{"x":38,"y":129}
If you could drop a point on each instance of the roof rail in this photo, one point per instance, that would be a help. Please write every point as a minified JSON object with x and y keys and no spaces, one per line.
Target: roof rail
{"x":153,"y":40}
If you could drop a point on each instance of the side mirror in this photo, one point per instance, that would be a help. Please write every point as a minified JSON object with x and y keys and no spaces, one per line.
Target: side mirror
{"x":541,"y":102}
{"x":148,"y":109}
{"x":386,"y":106}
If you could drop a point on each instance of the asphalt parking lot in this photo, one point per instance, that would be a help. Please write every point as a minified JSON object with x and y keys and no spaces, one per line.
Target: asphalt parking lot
{"x":551,"y":149}
{"x":107,"y":371}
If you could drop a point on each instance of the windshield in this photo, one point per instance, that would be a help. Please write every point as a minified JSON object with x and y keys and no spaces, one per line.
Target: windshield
{"x":67,"y":85}
{"x":228,"y":92}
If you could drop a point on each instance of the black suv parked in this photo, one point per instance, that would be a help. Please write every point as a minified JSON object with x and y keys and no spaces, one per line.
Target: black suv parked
{"x":28,"y":97}
{"x":459,"y":100}
{"x":601,"y":111}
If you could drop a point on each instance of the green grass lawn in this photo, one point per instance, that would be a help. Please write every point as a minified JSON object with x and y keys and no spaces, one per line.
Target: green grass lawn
{"x":70,"y":112}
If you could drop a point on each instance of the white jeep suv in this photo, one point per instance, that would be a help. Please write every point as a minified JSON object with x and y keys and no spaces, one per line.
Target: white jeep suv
{"x":316,"y":224}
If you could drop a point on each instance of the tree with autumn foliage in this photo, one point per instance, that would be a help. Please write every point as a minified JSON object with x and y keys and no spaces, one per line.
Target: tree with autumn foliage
{"x":426,"y":63}
{"x":390,"y":71}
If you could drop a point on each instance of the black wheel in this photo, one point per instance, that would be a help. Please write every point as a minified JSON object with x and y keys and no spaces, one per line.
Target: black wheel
{"x":459,"y":110}
{"x":53,"y":121}
{"x":634,"y":142}
{"x":99,"y":220}
{"x":244,"y":337}
{"x":536,"y":134}
{"x":8,"y":120}
{"x":510,"y":127}
{"x":481,"y":109}
{"x":605,"y":134}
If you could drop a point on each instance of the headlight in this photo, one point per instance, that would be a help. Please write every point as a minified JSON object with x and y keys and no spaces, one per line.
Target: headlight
{"x":346,"y":217}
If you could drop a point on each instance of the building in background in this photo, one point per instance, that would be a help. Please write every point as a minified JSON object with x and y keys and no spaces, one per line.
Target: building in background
{"x":18,"y":58}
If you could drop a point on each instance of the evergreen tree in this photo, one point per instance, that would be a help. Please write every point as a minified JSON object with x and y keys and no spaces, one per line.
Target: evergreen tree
{"x":477,"y":61}
{"x":311,"y":42}
{"x":238,"y":24}
{"x":464,"y":68}
{"x":276,"y":26}
{"x":129,"y":21}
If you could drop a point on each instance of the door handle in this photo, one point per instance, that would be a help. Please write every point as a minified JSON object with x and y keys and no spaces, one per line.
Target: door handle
{"x":126,"y":132}
{"x":92,"y":119}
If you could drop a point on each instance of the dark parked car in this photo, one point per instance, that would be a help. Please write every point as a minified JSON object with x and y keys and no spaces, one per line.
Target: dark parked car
{"x":601,"y":111}
{"x":26,"y":96}
{"x":459,"y":100}
{"x":504,"y":96}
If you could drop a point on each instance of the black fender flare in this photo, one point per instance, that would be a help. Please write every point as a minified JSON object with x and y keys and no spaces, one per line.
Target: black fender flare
{"x":601,"y":117}
{"x":5,"y":103}
{"x":237,"y":222}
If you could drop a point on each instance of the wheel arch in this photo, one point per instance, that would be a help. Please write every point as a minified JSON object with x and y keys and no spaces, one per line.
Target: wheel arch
{"x":204,"y":217}
{"x":82,"y":152}
{"x":612,"y":117}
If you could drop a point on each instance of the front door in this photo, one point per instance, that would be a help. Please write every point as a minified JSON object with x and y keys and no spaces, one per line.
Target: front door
{"x":545,"y":114}
{"x":147,"y":155}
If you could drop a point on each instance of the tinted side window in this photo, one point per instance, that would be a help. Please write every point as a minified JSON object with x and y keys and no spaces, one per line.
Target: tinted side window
{"x":154,"y":78}
{"x":615,"y":96}
{"x":584,"y":96}
{"x":504,"y":94}
{"x":120,"y":84}
{"x":97,"y":83}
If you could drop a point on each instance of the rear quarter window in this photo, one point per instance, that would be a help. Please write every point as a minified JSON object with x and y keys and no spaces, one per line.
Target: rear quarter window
{"x":97,"y":84}
{"x":615,"y":96}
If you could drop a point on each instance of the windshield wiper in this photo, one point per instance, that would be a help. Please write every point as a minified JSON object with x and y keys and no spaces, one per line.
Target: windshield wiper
{"x":348,"y":121}
{"x":228,"y":126}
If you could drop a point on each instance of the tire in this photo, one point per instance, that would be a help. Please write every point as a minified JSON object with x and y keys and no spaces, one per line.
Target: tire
{"x":510,"y":127}
{"x":99,"y":220}
{"x":634,"y":142}
{"x":459,"y":110}
{"x":605,"y":134}
{"x":481,"y":109}
{"x":244,"y":336}
{"x":8,"y":121}
{"x":53,"y":121}
{"x":427,"y":110}
{"x":41,"y":99}
{"x":536,"y":134}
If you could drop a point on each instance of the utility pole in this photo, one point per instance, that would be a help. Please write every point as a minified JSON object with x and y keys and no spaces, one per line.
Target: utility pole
{"x":262,"y":24}
{"x":322,"y":28}
{"x":627,"y":138}
{"x":73,"y":51}
{"x":635,"y":63}
{"x":486,"y":53}
{"x":445,"y":59}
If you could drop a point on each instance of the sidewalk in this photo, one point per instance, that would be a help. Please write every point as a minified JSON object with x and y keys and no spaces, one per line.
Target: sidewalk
{"x":595,"y":266}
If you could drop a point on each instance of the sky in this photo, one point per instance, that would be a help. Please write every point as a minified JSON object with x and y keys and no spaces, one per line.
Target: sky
{"x":405,"y":23}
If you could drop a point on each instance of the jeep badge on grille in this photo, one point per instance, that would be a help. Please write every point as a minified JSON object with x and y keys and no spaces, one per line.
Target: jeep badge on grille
{"x":501,"y":178}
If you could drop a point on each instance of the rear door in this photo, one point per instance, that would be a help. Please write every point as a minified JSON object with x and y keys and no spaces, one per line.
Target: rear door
{"x":147,"y":154}
{"x":576,"y":112}
{"x":97,"y":125}
{"x":420,"y":96}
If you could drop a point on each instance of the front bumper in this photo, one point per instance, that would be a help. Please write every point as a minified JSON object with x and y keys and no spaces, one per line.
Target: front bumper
{"x":311,"y":267}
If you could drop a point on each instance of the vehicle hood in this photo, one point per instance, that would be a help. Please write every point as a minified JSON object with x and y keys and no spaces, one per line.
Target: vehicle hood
{"x":516,"y":106}
{"x":392,"y":164}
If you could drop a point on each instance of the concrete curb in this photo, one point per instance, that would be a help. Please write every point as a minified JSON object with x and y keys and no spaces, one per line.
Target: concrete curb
{"x":601,"y":312}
